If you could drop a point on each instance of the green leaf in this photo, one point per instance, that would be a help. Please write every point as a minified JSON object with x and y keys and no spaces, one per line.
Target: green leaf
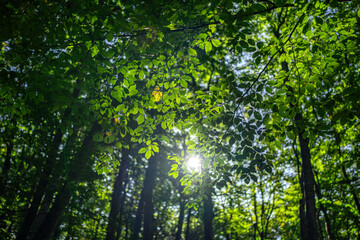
{"x":109,"y":37}
{"x":142,"y":150}
{"x":202,"y":36}
{"x":108,"y":54}
{"x":231,"y":141}
{"x":94,"y":51}
{"x":310,"y":87}
{"x":192,"y":52}
{"x":148,"y":154}
{"x":175,"y":174}
{"x":183,"y":83}
{"x":216,"y":42}
{"x":141,"y":75}
{"x":163,"y":124}
{"x":257,"y":115}
{"x":243,"y":44}
{"x":155,"y":148}
{"x":208,"y":47}
{"x":260,"y":45}
{"x":140,"y":119}
{"x":251,"y":42}
{"x":290,"y":135}
{"x":212,"y":28}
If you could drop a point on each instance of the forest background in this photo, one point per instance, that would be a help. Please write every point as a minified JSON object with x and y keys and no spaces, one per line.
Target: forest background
{"x":179,"y":119}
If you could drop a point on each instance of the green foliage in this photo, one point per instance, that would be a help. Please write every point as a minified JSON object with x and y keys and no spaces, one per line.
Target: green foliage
{"x":83,"y":82}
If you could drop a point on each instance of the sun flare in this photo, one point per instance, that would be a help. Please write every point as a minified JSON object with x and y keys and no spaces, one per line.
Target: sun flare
{"x":194,"y":163}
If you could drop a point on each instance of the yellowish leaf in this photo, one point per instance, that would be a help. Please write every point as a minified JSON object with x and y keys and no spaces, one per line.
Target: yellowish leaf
{"x":157,"y":94}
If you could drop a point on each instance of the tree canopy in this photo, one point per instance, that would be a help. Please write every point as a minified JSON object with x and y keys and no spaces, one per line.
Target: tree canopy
{"x":180,"y":119}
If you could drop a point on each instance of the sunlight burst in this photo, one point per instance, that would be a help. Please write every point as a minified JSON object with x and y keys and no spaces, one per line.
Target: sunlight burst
{"x":194,"y":163}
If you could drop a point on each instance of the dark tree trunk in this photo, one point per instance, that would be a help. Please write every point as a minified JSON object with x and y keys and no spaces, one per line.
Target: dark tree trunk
{"x":121,"y":211}
{"x":6,"y":166}
{"x":138,"y":217}
{"x":309,"y":183}
{"x":306,"y":171}
{"x":301,"y":201}
{"x":51,"y":219}
{"x":181,"y":216}
{"x":145,"y":204}
{"x":45,"y":206}
{"x":26,"y":225}
{"x":9,"y":141}
{"x":328,"y":228}
{"x":116,"y":200}
{"x":188,"y":222}
{"x":255,"y":212}
{"x":352,"y":189}
{"x":347,"y":180}
{"x":30,"y":216}
{"x":208,"y":213}
{"x":149,"y":186}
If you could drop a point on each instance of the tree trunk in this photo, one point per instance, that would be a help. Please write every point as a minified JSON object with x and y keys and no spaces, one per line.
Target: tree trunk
{"x":45,"y":206}
{"x":115,"y":206}
{"x":181,"y":216}
{"x":255,"y":212}
{"x":188,"y":222}
{"x":208,"y":213}
{"x":149,"y":185}
{"x":309,"y":183}
{"x":138,"y":217}
{"x":352,"y":190}
{"x":6,"y":167}
{"x":328,"y":228}
{"x":307,"y":173}
{"x":51,"y":219}
{"x":9,"y":142}
{"x":26,"y":225}
{"x":145,"y":204}
{"x":301,"y":201}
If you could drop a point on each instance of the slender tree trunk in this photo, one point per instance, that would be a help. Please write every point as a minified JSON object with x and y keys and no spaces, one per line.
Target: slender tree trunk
{"x":45,"y":206}
{"x":347,"y":180}
{"x":26,"y":225}
{"x":181,"y":216}
{"x":138,"y":217}
{"x":145,"y":204}
{"x":301,"y":201}
{"x":122,"y":212}
{"x":307,"y":172}
{"x":6,"y":167}
{"x":328,"y":228}
{"x":115,"y":206}
{"x":51,"y":219}
{"x":352,"y":189}
{"x":262,"y":216}
{"x":149,"y":186}
{"x":255,"y":212}
{"x":30,"y":216}
{"x":188,"y":222}
{"x":9,"y":141}
{"x":208,"y":213}
{"x":308,"y":181}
